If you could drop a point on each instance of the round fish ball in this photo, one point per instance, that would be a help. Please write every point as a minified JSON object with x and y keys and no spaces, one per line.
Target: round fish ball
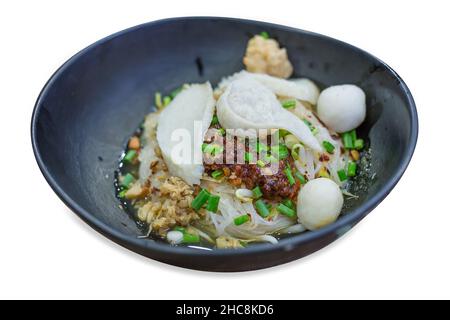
{"x":319,"y":203}
{"x":342,"y":108}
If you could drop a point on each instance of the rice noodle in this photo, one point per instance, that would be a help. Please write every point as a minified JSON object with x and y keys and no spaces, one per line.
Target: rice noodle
{"x":231,"y":208}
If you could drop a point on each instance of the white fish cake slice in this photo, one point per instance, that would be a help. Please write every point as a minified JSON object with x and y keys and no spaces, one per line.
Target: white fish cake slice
{"x":301,"y":89}
{"x":247,"y":104}
{"x":194,"y":105}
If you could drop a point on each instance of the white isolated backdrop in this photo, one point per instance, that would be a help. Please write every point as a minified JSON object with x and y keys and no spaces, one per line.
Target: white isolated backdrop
{"x":401,"y":250}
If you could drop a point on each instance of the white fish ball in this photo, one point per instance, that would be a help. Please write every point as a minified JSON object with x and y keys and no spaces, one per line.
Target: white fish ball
{"x":319,"y":203}
{"x":342,"y":108}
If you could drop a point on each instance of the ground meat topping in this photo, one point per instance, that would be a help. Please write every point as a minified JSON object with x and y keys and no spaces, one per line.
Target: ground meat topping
{"x":274,"y":186}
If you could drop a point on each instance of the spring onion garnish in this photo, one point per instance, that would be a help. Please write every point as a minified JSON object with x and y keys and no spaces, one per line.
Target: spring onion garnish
{"x":265,"y":35}
{"x":213,"y":203}
{"x":175,"y":92}
{"x":261,"y":163}
{"x":257,"y":193}
{"x":200,"y":200}
{"x":248,"y":157}
{"x":158,"y":100}
{"x":261,"y":208}
{"x":286,"y":210}
{"x":353,"y":135}
{"x":127,"y":180}
{"x":288,"y":203}
{"x":217,"y":174}
{"x":212,"y":149}
{"x":190,"y":238}
{"x":347,"y":140}
{"x":351,"y":169}
{"x":122,"y":193}
{"x":342,"y":175}
{"x":281,"y":151}
{"x":222,"y":131}
{"x":214,"y":120}
{"x":290,"y":177}
{"x":289,"y":104}
{"x":166,"y":100}
{"x":300,"y":177}
{"x":283,"y":133}
{"x":359,"y":144}
{"x":241,"y":219}
{"x":178,"y":228}
{"x":313,"y":129}
{"x":329,"y":147}
{"x":261,"y":147}
{"x":129,"y":157}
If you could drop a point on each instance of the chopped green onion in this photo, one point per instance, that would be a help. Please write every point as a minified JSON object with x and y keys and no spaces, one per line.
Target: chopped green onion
{"x":190,"y":238}
{"x":265,"y":35}
{"x":300,"y":177}
{"x":213,"y":203}
{"x":286,"y":210}
{"x":281,"y":151}
{"x":288,"y":173}
{"x":208,"y":148}
{"x":212,"y":149}
{"x":181,"y":229}
{"x":175,"y":92}
{"x":158,"y":100}
{"x":222,"y":131}
{"x":217,"y":174}
{"x":347,"y":140}
{"x":248,"y":157}
{"x":351,"y":169}
{"x":257,"y":193}
{"x":289,"y":104}
{"x":342,"y":175}
{"x":329,"y":147}
{"x":166,"y":100}
{"x":261,"y":208}
{"x":217,"y":150}
{"x":122,"y":193}
{"x":200,"y":200}
{"x":241,"y":219}
{"x":283,"y":133}
{"x":129,"y":157}
{"x":313,"y":129}
{"x":288,"y":203}
{"x":353,"y":135}
{"x":127,"y":180}
{"x":359,"y":144}
{"x":261,"y":163}
{"x":261,"y":147}
{"x":214,"y":120}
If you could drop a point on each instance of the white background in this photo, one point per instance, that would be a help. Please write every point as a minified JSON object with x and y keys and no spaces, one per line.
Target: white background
{"x":401,"y":250}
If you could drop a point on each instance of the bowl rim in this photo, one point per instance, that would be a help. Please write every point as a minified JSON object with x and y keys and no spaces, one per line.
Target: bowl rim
{"x":343,"y":224}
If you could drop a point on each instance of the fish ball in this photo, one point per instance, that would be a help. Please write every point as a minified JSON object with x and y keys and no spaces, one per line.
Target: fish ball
{"x":319,"y":203}
{"x":342,"y":108}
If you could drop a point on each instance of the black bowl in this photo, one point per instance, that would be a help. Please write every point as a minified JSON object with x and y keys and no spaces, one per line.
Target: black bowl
{"x":96,"y":100}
